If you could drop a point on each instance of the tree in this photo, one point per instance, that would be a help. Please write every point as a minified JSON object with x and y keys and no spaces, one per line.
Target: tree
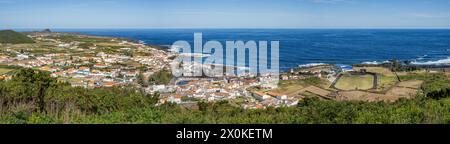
{"x":28,"y":85}
{"x":439,"y":94}
{"x":43,"y":81}
{"x":161,"y":77}
{"x":141,"y":80}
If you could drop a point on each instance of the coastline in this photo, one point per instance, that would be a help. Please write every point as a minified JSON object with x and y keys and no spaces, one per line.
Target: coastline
{"x":288,"y":90}
{"x":441,"y":63}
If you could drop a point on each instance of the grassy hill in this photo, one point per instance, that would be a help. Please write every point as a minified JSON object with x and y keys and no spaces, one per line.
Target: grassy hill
{"x":9,"y":36}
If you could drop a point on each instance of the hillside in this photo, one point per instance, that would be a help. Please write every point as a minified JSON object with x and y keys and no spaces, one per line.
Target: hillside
{"x":9,"y":36}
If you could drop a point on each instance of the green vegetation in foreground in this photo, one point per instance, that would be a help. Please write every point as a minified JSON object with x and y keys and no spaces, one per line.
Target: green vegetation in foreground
{"x":12,"y":37}
{"x":34,"y":97}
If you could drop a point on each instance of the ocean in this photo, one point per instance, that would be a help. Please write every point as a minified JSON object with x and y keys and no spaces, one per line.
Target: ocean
{"x":310,"y":46}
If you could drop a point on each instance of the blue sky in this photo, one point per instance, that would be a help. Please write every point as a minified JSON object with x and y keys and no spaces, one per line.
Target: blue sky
{"x":224,"y":13}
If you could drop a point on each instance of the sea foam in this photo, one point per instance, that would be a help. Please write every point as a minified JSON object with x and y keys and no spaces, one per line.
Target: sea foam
{"x":375,"y":62}
{"x":311,"y":65}
{"x":438,"y":62}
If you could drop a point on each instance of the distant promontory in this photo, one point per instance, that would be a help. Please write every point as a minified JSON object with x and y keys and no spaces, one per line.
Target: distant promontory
{"x":13,"y":37}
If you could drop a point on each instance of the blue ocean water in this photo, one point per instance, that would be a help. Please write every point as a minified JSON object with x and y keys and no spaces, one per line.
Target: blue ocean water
{"x":306,"y":46}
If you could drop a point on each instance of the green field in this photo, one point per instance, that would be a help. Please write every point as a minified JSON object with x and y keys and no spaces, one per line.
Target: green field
{"x":355,"y":82}
{"x":4,"y":70}
{"x":292,"y":87}
{"x":9,"y":36}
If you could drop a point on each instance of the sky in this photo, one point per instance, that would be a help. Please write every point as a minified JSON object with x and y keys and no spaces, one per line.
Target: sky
{"x":224,"y":13}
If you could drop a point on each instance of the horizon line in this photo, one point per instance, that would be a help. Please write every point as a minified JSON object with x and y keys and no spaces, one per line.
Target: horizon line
{"x":106,"y":28}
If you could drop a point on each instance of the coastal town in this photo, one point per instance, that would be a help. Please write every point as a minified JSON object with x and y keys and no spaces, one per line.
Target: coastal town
{"x":104,"y":62}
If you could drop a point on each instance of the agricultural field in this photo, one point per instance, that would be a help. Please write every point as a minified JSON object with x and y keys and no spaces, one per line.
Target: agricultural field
{"x":407,"y":89}
{"x":386,"y":78}
{"x":359,"y":87}
{"x":355,"y":82}
{"x":5,"y":70}
{"x":294,"y":87}
{"x":378,"y":70}
{"x":290,"y":90}
{"x":385,"y":82}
